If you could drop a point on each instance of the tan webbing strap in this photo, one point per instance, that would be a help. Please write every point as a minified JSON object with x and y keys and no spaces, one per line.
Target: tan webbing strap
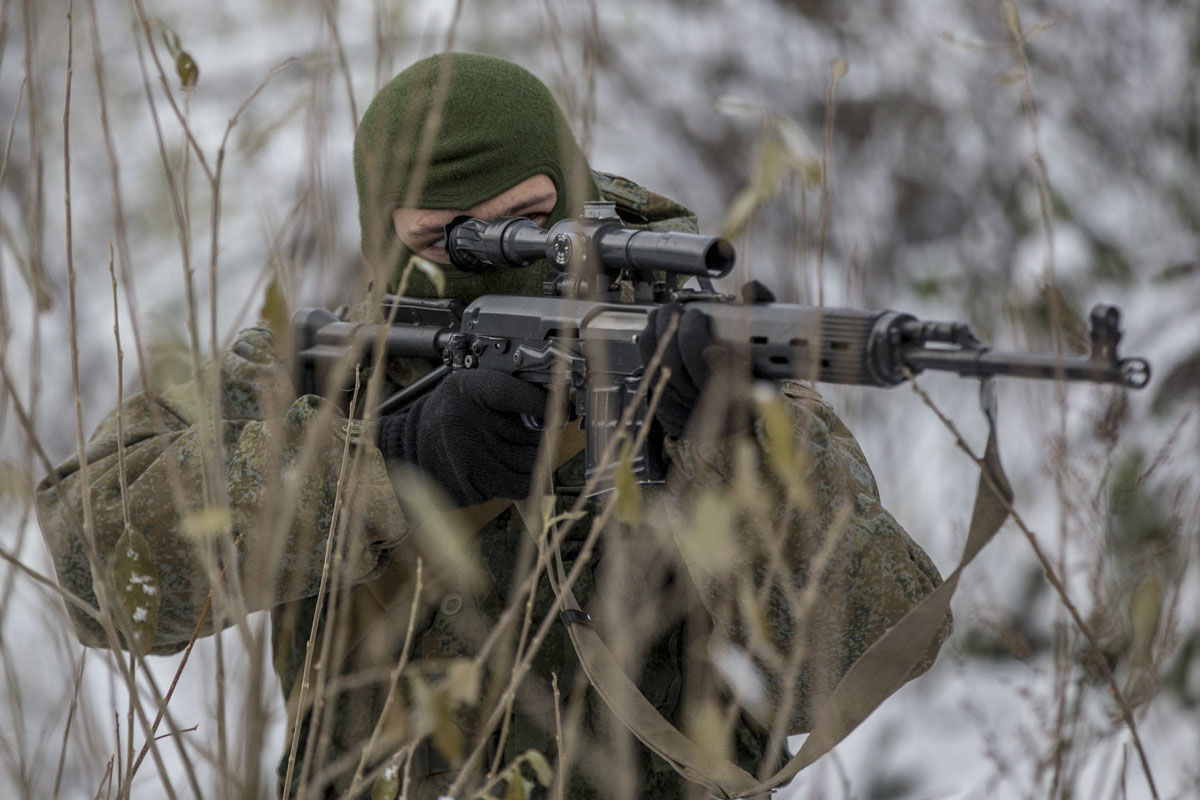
{"x":631,"y":707}
{"x":878,"y":673}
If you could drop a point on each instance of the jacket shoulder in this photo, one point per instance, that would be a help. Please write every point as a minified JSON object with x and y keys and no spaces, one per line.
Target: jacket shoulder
{"x":639,"y":207}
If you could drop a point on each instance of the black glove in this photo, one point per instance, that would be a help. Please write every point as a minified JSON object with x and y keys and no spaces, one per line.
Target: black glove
{"x":684,"y":356}
{"x":467,"y":434}
{"x":692,"y":357}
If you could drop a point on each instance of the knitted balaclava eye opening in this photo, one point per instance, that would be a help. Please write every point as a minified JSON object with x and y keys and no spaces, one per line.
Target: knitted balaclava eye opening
{"x":450,"y":132}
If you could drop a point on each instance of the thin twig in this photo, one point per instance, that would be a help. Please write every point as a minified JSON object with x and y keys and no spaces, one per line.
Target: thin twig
{"x":147,"y":25}
{"x":106,"y":777}
{"x":88,"y":530}
{"x":343,"y":65}
{"x":560,"y":778}
{"x":162,"y":736}
{"x":162,"y":710}
{"x":521,"y":668}
{"x":1056,"y":582}
{"x":306,"y":673}
{"x":836,"y":71}
{"x":393,"y":684}
{"x":62,"y":753}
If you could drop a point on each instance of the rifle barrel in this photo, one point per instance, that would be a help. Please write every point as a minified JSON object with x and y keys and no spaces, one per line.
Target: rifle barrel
{"x":1130,"y":372}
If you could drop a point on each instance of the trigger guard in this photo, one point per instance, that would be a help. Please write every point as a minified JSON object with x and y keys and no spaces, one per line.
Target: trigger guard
{"x":533,"y":423}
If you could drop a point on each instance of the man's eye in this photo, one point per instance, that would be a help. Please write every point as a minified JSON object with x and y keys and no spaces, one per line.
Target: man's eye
{"x":431,"y":243}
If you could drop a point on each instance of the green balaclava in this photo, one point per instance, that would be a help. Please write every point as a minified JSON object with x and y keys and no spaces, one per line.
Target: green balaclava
{"x":450,"y":132}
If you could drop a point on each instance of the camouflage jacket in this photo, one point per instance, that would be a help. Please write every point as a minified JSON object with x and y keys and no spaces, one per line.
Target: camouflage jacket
{"x":778,"y":559}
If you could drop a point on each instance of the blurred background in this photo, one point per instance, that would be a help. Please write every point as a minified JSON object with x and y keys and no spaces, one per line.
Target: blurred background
{"x":1007,"y":165}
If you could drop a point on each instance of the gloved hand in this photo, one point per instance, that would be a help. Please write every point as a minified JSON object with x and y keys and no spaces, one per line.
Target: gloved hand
{"x":467,"y":434}
{"x":684,"y":356}
{"x":692,"y":357}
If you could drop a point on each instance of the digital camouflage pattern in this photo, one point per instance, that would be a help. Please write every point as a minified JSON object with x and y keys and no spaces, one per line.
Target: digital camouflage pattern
{"x":664,"y":591}
{"x":822,"y":569}
{"x":164,"y":452}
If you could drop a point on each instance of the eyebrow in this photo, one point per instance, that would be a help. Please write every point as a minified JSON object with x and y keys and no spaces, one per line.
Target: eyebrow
{"x":530,"y":203}
{"x":515,"y":211}
{"x":426,"y":230}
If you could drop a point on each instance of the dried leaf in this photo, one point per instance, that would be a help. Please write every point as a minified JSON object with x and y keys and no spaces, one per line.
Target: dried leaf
{"x":433,"y":716}
{"x":743,"y":208}
{"x":516,"y":786}
{"x":785,"y":150}
{"x":445,"y":544}
{"x":170,"y":39}
{"x":431,"y":271}
{"x":274,"y":309}
{"x":185,"y":65}
{"x":708,"y":729}
{"x":739,"y":107}
{"x":206,"y":523}
{"x":706,"y":539}
{"x":436,"y":697}
{"x":758,"y":627}
{"x":188,"y":71}
{"x":540,"y":766}
{"x":14,"y":485}
{"x":786,"y":458}
{"x":135,"y":580}
{"x":387,"y":786}
{"x":802,"y":158}
{"x":1012,"y":21}
{"x":629,"y":492}
{"x":1145,"y":613}
{"x":463,"y":682}
{"x":447,"y":737}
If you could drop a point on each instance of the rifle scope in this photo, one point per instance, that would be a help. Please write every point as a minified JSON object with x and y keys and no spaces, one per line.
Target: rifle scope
{"x":597,"y":242}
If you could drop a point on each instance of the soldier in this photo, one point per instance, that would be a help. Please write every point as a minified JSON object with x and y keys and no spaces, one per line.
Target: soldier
{"x":303,"y":488}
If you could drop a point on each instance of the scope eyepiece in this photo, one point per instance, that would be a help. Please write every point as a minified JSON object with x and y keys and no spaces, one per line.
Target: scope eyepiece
{"x":477,"y":245}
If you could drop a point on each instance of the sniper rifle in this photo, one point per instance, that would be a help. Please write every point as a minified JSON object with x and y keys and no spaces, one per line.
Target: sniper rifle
{"x":586,"y":325}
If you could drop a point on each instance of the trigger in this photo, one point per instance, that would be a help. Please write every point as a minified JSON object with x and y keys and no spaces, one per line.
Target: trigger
{"x":533,"y":423}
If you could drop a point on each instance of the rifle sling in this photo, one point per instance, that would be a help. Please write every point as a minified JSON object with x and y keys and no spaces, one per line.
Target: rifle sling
{"x":874,"y":677}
